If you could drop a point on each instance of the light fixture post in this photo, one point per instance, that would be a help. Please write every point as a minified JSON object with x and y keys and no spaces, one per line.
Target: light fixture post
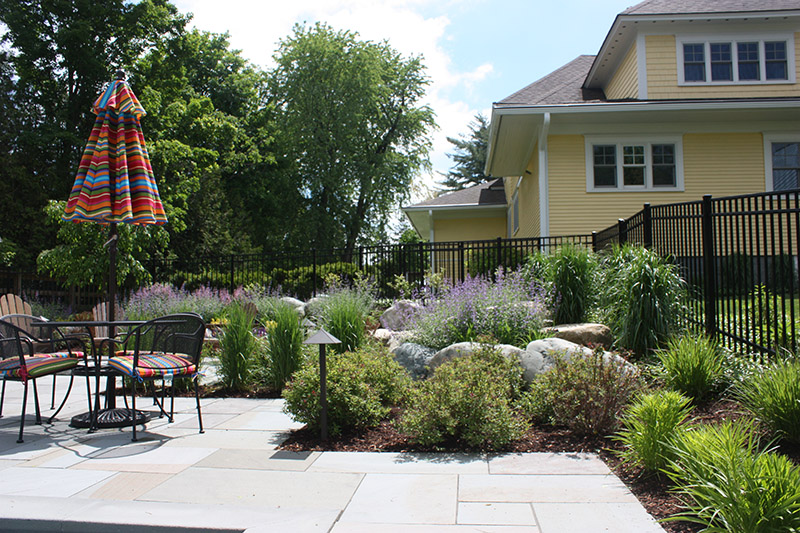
{"x":323,"y":338}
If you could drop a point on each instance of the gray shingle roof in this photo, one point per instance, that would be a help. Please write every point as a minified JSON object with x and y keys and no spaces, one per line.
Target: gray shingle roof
{"x":562,"y":86}
{"x":668,"y":7}
{"x":488,"y":193}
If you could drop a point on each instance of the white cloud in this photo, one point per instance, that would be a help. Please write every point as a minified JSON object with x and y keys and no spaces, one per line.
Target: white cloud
{"x":256,"y":27}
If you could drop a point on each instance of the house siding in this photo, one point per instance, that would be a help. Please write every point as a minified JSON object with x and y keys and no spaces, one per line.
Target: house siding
{"x":469,"y":229}
{"x":720,"y":164}
{"x":529,"y":223}
{"x":662,"y":76}
{"x":625,"y":84}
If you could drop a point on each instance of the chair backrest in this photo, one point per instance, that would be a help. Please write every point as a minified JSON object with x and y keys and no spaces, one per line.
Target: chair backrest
{"x":181,"y":333}
{"x":11,"y":341}
{"x":24,"y":322}
{"x":11,"y":304}
{"x":100,"y":313}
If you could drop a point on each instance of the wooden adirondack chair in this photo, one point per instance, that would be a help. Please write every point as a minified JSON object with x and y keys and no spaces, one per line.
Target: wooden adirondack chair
{"x":11,"y":304}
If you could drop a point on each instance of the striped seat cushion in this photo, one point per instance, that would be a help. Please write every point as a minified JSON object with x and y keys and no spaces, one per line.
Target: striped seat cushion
{"x":38,"y":365}
{"x":153,"y":365}
{"x":76,"y":355}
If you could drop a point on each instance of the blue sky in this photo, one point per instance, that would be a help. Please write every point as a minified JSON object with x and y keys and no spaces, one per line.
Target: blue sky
{"x":477,"y":51}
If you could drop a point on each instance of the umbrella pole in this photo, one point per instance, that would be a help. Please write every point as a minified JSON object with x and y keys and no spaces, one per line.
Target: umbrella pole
{"x":112,"y":274}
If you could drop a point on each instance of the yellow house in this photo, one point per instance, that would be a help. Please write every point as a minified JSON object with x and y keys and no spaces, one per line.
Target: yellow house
{"x":684,"y":98}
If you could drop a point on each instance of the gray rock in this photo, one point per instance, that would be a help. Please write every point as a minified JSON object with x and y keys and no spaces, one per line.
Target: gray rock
{"x":540,"y":355}
{"x":395,"y":317}
{"x":462,"y":349}
{"x":585,"y":334}
{"x":298,"y":305}
{"x":382,"y":334}
{"x":414,"y":358}
{"x":312,"y":307}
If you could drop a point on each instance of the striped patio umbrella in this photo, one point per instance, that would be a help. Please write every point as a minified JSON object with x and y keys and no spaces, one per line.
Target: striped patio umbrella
{"x":115,"y":181}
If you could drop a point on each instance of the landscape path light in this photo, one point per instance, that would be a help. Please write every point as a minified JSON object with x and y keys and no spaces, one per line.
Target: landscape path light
{"x":322,"y":338}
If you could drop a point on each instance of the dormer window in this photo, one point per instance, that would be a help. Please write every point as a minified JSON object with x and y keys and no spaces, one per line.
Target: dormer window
{"x":726,"y":61}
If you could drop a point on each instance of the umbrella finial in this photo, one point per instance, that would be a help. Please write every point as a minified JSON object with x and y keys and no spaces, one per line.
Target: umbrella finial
{"x":121,"y":75}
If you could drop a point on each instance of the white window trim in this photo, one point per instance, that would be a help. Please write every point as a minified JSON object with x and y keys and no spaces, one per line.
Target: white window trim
{"x":707,"y":40}
{"x":648,"y":141}
{"x":770,"y":138}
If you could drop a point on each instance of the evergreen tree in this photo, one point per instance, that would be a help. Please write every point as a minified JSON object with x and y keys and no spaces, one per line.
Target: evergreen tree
{"x":469,"y":156}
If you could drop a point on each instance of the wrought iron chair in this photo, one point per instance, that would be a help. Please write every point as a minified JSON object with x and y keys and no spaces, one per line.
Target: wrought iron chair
{"x":19,"y":361}
{"x":168,"y":348}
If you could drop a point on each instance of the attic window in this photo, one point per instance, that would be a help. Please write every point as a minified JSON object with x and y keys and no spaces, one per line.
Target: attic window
{"x":735,"y":60}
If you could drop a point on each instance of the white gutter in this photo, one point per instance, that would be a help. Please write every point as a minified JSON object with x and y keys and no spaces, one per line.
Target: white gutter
{"x":544,"y":185}
{"x":453,"y":207}
{"x":611,"y":107}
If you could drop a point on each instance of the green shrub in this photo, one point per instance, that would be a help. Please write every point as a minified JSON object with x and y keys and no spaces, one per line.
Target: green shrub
{"x":468,"y":399}
{"x":694,"y":366}
{"x":237,"y":345}
{"x":571,"y":270}
{"x":284,"y":344}
{"x":585,"y":393}
{"x":485,"y":261}
{"x":732,"y":484}
{"x":649,"y":426}
{"x":641,"y":299}
{"x":361,"y":388}
{"x":773,"y":396}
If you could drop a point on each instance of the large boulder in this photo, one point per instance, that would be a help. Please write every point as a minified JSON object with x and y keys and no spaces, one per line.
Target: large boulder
{"x":414,"y":358}
{"x":296,"y":304}
{"x":395,"y":317}
{"x":584,"y":334}
{"x":540,"y":355}
{"x":463,"y":349}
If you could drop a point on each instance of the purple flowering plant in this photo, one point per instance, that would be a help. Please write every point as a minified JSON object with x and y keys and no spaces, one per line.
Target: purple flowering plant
{"x":510,"y":309}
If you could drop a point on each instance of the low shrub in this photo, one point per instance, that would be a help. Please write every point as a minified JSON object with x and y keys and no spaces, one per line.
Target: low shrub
{"x":237,"y":346}
{"x":694,"y":366}
{"x":161,"y":299}
{"x":510,"y":310}
{"x":650,"y":425}
{"x":361,"y":388}
{"x":468,"y":399}
{"x":642,"y":298}
{"x":773,"y":396}
{"x":584,"y":393}
{"x":733,"y":485}
{"x":284,"y":344}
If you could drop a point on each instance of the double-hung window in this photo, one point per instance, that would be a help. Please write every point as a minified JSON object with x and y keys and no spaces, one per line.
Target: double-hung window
{"x":782,"y":155}
{"x":633,"y":164}
{"x":721,"y":61}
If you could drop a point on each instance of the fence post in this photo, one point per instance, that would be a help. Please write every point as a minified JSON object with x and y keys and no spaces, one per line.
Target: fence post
{"x":461,"y":261}
{"x":233,"y":267}
{"x":622,"y":226}
{"x":709,"y":268}
{"x":360,"y":257}
{"x":647,"y":226}
{"x":499,"y":253}
{"x":594,"y":241}
{"x":314,"y":272}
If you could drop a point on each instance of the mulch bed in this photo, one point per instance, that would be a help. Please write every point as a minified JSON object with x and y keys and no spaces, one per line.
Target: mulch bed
{"x":652,"y":491}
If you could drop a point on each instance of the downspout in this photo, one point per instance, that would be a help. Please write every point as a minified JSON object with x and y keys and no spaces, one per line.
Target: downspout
{"x":544,"y":204}
{"x":430,"y":221}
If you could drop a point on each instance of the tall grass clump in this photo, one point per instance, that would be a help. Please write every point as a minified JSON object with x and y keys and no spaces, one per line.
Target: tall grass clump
{"x":571,"y":270}
{"x":344,"y":309}
{"x":284,"y":344}
{"x":693,"y":365}
{"x":468,"y":399}
{"x":773,"y":396}
{"x":584,"y":393}
{"x":510,"y":309}
{"x":641,"y":299}
{"x":650,"y":424}
{"x":237,"y":346}
{"x":362,"y":386}
{"x":732,"y":484}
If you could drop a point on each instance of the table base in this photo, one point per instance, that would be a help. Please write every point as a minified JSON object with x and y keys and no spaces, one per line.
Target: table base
{"x":110,"y":418}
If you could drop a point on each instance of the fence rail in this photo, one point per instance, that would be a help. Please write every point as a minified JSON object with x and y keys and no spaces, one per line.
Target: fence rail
{"x":738,"y":254}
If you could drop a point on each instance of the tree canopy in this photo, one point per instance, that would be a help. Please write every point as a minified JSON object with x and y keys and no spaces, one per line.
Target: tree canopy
{"x":469,"y":156}
{"x":315,"y":152}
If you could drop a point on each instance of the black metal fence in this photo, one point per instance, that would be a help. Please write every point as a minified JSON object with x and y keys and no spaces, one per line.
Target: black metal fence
{"x":739,"y":255}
